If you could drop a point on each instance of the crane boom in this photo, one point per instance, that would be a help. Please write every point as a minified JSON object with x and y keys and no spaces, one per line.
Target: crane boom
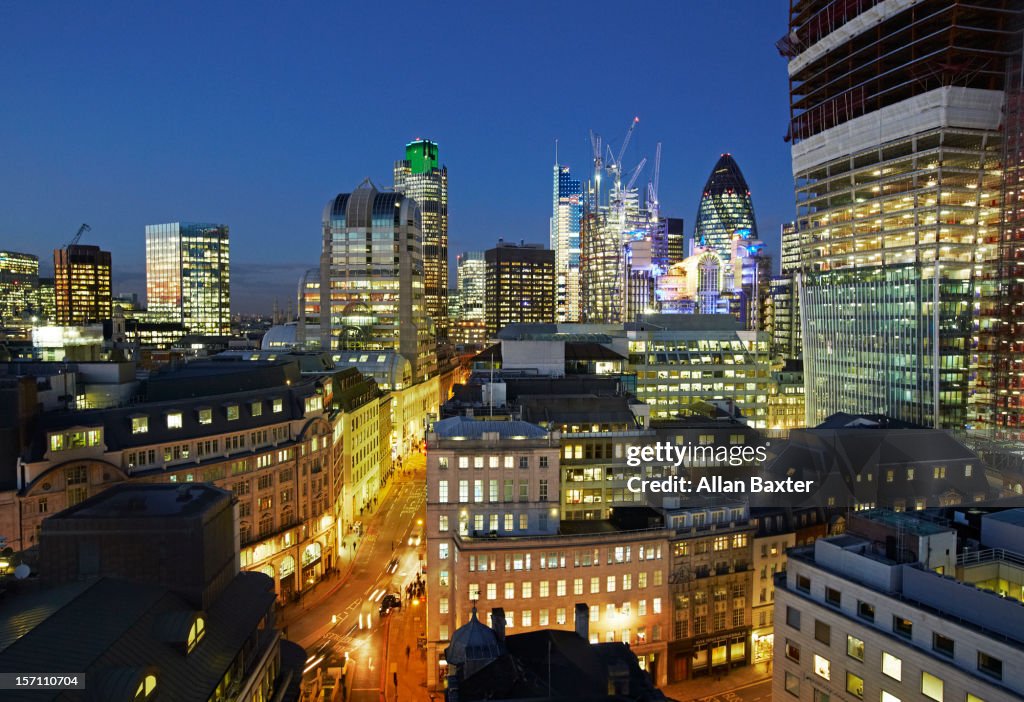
{"x":636,"y":173}
{"x":625,"y":142}
{"x":78,"y":235}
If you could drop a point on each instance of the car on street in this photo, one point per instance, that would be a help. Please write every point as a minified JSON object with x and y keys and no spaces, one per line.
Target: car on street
{"x":388,"y":603}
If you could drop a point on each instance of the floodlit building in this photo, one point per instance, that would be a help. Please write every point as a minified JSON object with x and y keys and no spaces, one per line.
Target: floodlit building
{"x":188,"y":277}
{"x":419,"y":177}
{"x":495,"y":539}
{"x":82,"y":285}
{"x":520,"y":285}
{"x":372,"y":277}
{"x":894,"y":610}
{"x":725,"y":211}
{"x":898,"y":195}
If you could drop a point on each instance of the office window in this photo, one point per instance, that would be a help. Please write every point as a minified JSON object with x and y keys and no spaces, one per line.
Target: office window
{"x":206,"y":416}
{"x":542,"y":618}
{"x":833,"y":596}
{"x":463,"y":491}
{"x":974,"y":698}
{"x":822,"y":667}
{"x":442,"y":491}
{"x":889,"y":697}
{"x":140,"y":425}
{"x":822,"y":632}
{"x":277,"y":405}
{"x":174,"y":420}
{"x":232,"y":412}
{"x":478,"y":462}
{"x":943,"y":644}
{"x":931,"y":686}
{"x":510,"y":591}
{"x":524,"y":462}
{"x":866,"y":611}
{"x":854,"y":647}
{"x":545,"y":589}
{"x":463,"y":462}
{"x":256,"y":408}
{"x":793,"y":617}
{"x":577,"y":586}
{"x":560,"y":615}
{"x":892,"y":666}
{"x":903,"y":627}
{"x":803,"y":583}
{"x":492,"y":591}
{"x":442,"y":551}
{"x":792,"y":651}
{"x":527,"y":590}
{"x":595,"y":585}
{"x":855,"y":685}
{"x":990,"y":665}
{"x":792,"y":684}
{"x":474,"y":592}
{"x":821,"y":696}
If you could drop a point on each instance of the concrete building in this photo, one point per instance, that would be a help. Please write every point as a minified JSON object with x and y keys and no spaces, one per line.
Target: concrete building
{"x":188,"y":276}
{"x":495,"y":537}
{"x":893,"y":610}
{"x":372,"y":278}
{"x":520,"y":285}
{"x":786,"y":406}
{"x":82,"y":285}
{"x":418,"y":176}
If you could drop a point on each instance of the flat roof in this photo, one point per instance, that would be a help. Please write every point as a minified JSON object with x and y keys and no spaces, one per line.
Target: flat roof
{"x":147,"y":500}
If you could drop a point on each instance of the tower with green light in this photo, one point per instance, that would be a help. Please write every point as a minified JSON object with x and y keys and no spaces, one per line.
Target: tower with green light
{"x":420,"y":177}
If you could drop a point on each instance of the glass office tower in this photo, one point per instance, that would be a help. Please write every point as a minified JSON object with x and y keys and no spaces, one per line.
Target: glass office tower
{"x":567,"y":211}
{"x":895,"y":116}
{"x":725,"y":209}
{"x":188,"y":276}
{"x":19,"y":277}
{"x":371,"y":277}
{"x":420,"y":177}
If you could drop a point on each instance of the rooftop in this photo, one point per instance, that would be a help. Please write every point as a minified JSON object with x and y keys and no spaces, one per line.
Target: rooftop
{"x":466,"y":428}
{"x":148,"y":500}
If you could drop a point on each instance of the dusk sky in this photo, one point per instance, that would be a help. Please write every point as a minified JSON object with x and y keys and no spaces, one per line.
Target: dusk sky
{"x":123,"y":114}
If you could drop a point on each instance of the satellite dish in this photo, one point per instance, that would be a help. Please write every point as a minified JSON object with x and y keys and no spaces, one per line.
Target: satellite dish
{"x":22,"y":572}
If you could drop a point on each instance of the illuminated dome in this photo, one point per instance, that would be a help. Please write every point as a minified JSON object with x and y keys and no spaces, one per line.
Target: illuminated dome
{"x":725,"y":210}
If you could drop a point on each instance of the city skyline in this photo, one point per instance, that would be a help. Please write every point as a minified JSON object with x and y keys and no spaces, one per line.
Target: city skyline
{"x":147,"y":153}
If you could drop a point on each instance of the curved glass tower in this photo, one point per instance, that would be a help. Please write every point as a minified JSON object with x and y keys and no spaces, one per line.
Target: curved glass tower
{"x":725,"y":208}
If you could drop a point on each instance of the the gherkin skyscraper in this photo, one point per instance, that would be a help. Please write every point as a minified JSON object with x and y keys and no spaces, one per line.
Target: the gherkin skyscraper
{"x":725,"y":209}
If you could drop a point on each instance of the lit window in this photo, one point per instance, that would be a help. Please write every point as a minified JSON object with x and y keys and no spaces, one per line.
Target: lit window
{"x":195,"y":634}
{"x":892,"y":666}
{"x":232,"y":412}
{"x":174,"y":420}
{"x":256,"y":408}
{"x":140,"y":425}
{"x":822,"y":667}
{"x":855,"y":648}
{"x":855,"y":685}
{"x":278,"y":405}
{"x":146,"y":689}
{"x":889,"y":697}
{"x":931,"y":686}
{"x":206,"y":416}
{"x":442,"y":551}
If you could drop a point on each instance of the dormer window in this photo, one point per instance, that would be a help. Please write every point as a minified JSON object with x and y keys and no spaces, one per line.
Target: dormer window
{"x":232,"y":412}
{"x":195,"y":634}
{"x":146,"y":689}
{"x":174,"y":420}
{"x":140,"y":425}
{"x":205,"y":415}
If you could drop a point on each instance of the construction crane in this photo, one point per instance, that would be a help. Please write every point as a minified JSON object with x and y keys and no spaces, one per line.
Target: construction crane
{"x":615,"y":165}
{"x":78,"y":235}
{"x":652,"y":187}
{"x":635,"y":174}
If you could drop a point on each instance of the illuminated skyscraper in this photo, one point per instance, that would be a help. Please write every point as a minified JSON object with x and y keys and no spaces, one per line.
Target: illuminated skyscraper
{"x":371,"y":277}
{"x":420,"y":177}
{"x":471,"y":278}
{"x":520,"y":285}
{"x":895,"y":130}
{"x":81,"y":285}
{"x":565,"y":242}
{"x":188,"y":277}
{"x":725,"y":209}
{"x":19,"y":277}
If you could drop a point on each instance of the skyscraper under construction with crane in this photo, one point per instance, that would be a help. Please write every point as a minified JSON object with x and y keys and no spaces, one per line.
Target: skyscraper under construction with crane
{"x":896,"y":117}
{"x":623,"y":243}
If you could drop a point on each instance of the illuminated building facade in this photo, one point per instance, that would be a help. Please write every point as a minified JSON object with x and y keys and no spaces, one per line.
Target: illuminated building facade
{"x":725,"y":209}
{"x":19,"y":278}
{"x":471,"y":278}
{"x":495,"y":539}
{"x":82,"y":285}
{"x":898,"y":200}
{"x":188,"y":276}
{"x":308,"y":324}
{"x":684,"y":359}
{"x":420,"y":177}
{"x":371,"y":277}
{"x":565,"y":242}
{"x":520,"y":285}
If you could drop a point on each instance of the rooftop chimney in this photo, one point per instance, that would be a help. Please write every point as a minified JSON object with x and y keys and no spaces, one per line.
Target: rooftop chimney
{"x":582,"y":619}
{"x":498,"y":624}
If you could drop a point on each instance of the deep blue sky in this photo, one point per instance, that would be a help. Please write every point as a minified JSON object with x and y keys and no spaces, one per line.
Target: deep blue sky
{"x":253,"y":114}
